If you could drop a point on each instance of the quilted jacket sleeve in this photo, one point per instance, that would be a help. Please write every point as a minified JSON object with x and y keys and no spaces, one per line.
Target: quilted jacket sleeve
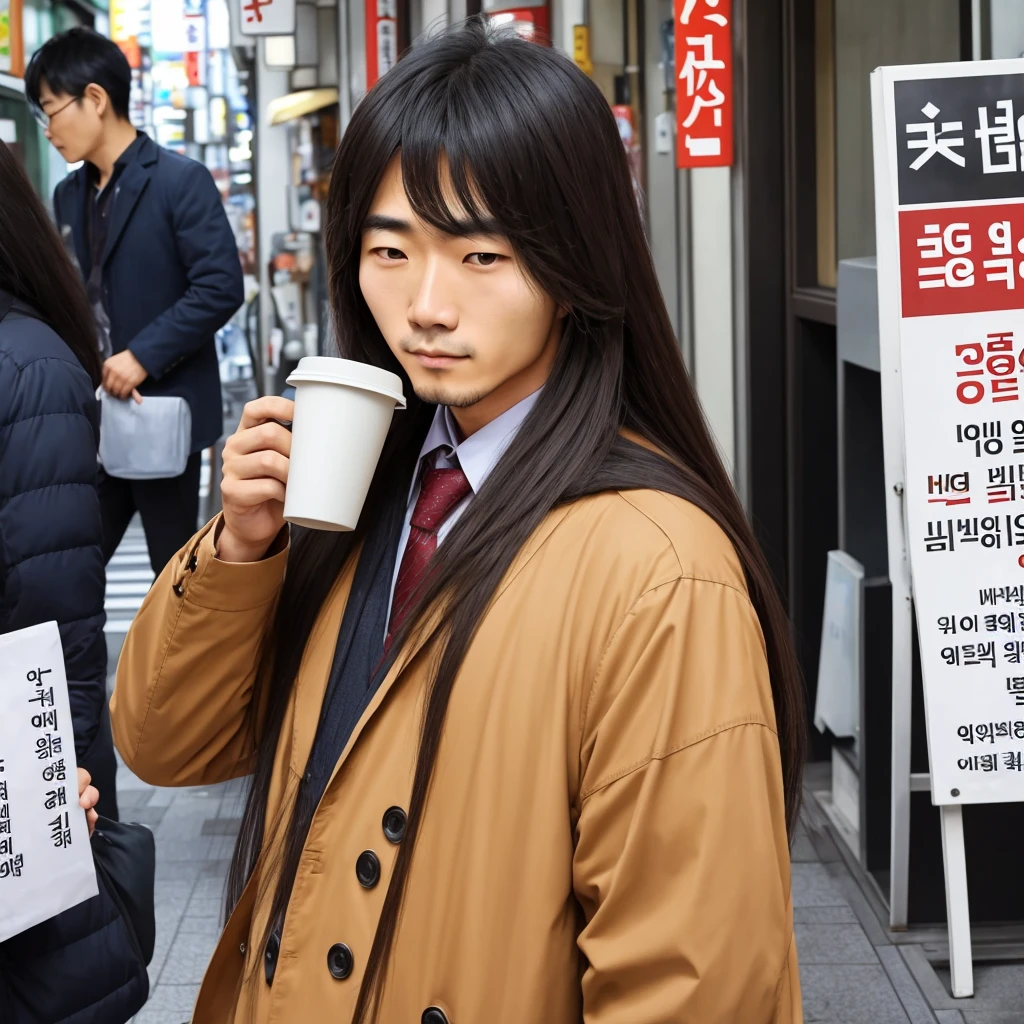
{"x":51,"y":561}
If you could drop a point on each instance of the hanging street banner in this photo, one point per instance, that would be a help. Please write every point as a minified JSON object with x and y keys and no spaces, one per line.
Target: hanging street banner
{"x":950,"y":214}
{"x":266,"y":17}
{"x":704,"y":89}
{"x":381,"y":39}
{"x":45,"y":861}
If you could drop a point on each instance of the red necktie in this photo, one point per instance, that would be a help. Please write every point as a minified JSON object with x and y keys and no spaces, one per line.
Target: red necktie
{"x":440,"y":493}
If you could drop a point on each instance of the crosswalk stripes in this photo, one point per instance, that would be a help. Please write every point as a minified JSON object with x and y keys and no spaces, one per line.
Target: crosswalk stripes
{"x":129,"y":578}
{"x":129,"y":575}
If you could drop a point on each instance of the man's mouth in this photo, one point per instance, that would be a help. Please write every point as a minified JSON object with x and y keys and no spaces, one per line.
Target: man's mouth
{"x":435,"y":359}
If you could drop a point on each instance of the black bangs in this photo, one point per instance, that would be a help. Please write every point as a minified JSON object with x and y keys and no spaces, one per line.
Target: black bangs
{"x":444,"y":186}
{"x":460,"y":166}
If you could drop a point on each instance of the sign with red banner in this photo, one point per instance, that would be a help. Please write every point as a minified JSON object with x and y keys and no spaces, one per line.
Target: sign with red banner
{"x":950,"y":198}
{"x":704,"y":89}
{"x":381,"y":38}
{"x":266,"y":17}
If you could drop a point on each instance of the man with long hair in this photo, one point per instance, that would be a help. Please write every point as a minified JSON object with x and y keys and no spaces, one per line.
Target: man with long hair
{"x":526,"y":744}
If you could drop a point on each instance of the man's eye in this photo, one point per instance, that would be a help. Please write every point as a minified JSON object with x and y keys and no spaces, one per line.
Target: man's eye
{"x":392,"y":255}
{"x":484,"y":259}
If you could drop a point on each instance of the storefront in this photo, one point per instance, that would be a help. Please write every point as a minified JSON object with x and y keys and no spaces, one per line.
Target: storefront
{"x":811,"y":464}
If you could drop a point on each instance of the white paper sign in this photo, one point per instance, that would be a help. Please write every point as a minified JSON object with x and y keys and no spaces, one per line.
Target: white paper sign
{"x":266,"y":17}
{"x":46,"y":865}
{"x":951,"y":298}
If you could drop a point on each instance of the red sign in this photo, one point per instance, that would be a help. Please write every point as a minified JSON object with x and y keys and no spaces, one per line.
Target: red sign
{"x":529,"y":22}
{"x":130,"y":48}
{"x":704,"y":91}
{"x":381,"y":38}
{"x":962,"y":259}
{"x":192,"y":67}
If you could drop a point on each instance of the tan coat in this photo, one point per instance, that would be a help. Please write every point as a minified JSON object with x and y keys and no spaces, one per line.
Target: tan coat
{"x":604,"y":840}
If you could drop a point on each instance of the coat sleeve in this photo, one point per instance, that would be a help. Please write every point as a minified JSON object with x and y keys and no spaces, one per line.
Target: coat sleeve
{"x":682,"y":861}
{"x":215,"y":290}
{"x":180,"y":712}
{"x":51,"y":534}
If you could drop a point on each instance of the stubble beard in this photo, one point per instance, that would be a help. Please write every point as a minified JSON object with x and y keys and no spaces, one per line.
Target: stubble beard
{"x":438,"y":394}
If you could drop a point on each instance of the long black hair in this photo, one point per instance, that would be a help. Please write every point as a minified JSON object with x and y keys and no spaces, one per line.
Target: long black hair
{"x":506,"y":130}
{"x":35,"y":268}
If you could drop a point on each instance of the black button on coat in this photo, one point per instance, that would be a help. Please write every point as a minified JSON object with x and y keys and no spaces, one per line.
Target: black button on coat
{"x":340,"y":961}
{"x":368,"y":869}
{"x":270,"y":957}
{"x":394,"y":823}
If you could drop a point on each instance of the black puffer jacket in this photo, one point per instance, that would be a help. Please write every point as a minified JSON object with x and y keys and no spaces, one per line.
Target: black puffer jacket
{"x":51,"y":560}
{"x":80,"y":967}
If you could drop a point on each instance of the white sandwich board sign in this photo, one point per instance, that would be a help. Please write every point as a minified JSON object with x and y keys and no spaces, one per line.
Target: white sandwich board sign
{"x":949,"y":194}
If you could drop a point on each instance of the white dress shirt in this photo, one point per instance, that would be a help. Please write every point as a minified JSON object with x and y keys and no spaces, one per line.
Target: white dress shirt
{"x":476,"y":456}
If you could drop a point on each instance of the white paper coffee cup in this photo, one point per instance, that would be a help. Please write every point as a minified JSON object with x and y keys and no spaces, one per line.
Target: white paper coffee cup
{"x":343,"y":410}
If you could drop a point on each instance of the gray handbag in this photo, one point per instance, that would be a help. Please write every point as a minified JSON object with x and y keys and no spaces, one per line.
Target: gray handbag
{"x":150,"y":441}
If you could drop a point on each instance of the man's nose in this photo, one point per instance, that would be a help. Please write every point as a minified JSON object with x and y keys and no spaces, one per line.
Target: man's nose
{"x":433,"y":304}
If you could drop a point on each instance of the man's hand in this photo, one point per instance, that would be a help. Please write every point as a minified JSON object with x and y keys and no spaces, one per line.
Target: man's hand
{"x":255,"y":474}
{"x":122,"y":374}
{"x":88,"y":795}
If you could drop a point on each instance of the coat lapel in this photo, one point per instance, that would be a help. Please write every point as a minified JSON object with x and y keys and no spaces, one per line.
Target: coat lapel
{"x":412,"y":649}
{"x":79,"y":197}
{"x":127,"y":190}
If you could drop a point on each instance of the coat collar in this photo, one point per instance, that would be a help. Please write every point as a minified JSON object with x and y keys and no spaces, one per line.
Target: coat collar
{"x":128,"y":188}
{"x":318,"y":666}
{"x":139,"y":161}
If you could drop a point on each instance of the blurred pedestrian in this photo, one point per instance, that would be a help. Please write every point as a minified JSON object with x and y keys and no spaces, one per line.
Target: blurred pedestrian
{"x":51,"y":558}
{"x":526,"y":743}
{"x":160,"y":264}
{"x":79,"y":966}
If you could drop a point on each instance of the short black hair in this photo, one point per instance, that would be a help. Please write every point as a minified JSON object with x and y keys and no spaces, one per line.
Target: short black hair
{"x":75,"y":59}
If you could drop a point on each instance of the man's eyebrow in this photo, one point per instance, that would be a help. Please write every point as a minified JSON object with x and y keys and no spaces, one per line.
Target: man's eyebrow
{"x":380,"y":222}
{"x":457,"y":229}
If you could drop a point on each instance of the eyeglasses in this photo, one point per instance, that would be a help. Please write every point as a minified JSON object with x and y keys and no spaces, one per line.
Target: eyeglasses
{"x":46,"y":119}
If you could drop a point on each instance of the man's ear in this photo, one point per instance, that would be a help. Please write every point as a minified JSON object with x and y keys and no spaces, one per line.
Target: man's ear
{"x":98,"y":97}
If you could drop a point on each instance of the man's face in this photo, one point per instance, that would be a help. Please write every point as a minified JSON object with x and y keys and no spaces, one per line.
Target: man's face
{"x":76,"y":126}
{"x":459,"y":313}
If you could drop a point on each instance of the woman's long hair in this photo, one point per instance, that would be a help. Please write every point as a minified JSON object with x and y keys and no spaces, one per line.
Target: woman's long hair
{"x":505,"y":130}
{"x":35,"y":268}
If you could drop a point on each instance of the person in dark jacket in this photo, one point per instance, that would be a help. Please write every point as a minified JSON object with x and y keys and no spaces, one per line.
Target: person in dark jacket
{"x":78,"y":967}
{"x":160,"y":263}
{"x":51,"y":536}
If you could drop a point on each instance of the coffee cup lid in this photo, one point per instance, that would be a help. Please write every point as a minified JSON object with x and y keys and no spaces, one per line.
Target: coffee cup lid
{"x":330,"y":370}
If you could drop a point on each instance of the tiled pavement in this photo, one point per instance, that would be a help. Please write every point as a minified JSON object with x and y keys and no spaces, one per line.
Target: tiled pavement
{"x":851,"y":973}
{"x":194,"y":831}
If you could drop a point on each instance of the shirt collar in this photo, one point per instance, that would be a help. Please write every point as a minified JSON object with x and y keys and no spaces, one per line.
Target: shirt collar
{"x":92,"y":172}
{"x":479,"y":453}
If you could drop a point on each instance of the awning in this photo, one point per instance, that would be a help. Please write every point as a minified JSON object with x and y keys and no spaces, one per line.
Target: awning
{"x":296,"y":104}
